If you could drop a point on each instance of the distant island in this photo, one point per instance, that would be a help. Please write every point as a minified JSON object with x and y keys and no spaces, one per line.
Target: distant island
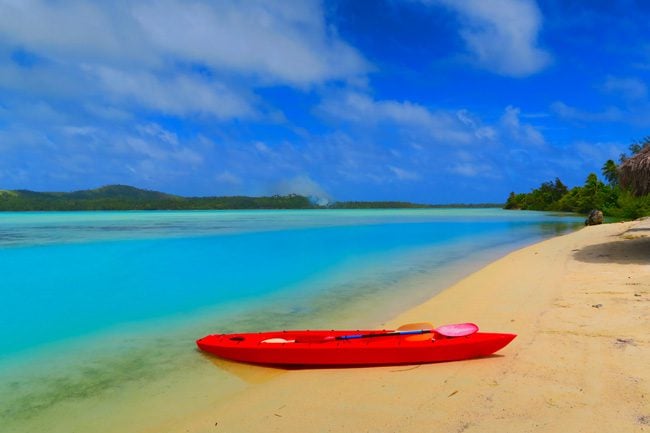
{"x":124,"y":197}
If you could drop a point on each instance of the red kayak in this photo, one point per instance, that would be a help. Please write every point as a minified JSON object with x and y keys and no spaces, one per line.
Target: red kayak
{"x":354,"y":348}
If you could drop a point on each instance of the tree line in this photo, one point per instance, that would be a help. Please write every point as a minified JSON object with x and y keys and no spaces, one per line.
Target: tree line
{"x":122,"y":197}
{"x":607,"y":196}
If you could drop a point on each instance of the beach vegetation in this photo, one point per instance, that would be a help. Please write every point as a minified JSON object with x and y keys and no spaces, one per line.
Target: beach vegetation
{"x":545,"y":197}
{"x":610,"y":172}
{"x":629,"y":206}
{"x":610,"y":197}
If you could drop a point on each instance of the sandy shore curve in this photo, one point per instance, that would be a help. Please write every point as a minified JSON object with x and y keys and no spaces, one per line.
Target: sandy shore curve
{"x":580,"y":304}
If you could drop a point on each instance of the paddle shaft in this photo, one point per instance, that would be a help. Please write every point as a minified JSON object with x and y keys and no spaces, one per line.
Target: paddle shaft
{"x":458,"y":330}
{"x":383,"y":334}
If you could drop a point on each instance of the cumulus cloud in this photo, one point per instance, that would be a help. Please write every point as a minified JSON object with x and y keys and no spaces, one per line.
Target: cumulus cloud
{"x":359,"y":108}
{"x":456,"y":128}
{"x":286,"y":42}
{"x":501,"y":35}
{"x":181,"y":94}
{"x":100,"y":79}
{"x":172,"y":57}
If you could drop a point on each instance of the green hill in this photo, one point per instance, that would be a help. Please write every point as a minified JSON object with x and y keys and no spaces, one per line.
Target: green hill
{"x":124,"y":197}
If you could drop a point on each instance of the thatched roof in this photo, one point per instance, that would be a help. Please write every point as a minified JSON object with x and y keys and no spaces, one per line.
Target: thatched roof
{"x":634,"y":173}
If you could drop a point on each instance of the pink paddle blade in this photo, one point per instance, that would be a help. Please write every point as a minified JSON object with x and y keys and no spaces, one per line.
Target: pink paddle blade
{"x":457,"y":330}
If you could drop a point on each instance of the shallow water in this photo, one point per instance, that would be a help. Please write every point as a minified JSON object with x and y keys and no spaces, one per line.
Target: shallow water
{"x":100,"y":309}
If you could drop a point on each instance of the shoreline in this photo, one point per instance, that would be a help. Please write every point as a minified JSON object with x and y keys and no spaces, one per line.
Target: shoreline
{"x":578,"y":303}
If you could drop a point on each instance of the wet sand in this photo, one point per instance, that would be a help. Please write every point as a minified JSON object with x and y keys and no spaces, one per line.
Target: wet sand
{"x":580,"y":304}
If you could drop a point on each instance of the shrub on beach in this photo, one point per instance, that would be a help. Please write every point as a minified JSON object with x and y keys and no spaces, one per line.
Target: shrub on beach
{"x":630,"y":207}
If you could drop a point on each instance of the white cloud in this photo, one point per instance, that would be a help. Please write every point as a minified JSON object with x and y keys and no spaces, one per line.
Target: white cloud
{"x":501,"y":35}
{"x":179,"y":94}
{"x":155,"y":147}
{"x":402,"y":174}
{"x":79,"y":130}
{"x":481,"y":132}
{"x":262,"y":147}
{"x":629,"y":88}
{"x":470,"y":164}
{"x":163,"y":144}
{"x":280,"y":42}
{"x":598,"y":151}
{"x":69,"y":156}
{"x":228,"y":178}
{"x":285,"y":41}
{"x":457,"y":128}
{"x":611,"y":114}
{"x":72,"y":30}
{"x":155,"y":130}
{"x":109,"y":61}
{"x":467,"y":169}
{"x":522,"y":133}
{"x":362,"y":109}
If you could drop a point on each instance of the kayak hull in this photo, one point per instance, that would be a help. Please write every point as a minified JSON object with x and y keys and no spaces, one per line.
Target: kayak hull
{"x":321,"y":348}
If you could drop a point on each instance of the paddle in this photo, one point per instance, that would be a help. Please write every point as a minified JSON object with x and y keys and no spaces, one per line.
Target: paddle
{"x":455,"y":330}
{"x":379,"y":334}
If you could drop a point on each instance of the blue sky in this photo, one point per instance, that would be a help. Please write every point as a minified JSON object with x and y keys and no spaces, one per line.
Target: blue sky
{"x":435,"y":101}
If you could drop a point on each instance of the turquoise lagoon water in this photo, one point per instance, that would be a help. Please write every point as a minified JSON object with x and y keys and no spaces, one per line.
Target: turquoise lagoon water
{"x":99,"y":307}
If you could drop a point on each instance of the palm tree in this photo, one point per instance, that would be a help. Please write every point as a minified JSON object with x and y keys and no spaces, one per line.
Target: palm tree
{"x":610,"y":172}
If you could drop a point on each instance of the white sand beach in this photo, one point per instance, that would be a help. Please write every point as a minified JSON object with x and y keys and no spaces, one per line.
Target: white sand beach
{"x":579,"y":304}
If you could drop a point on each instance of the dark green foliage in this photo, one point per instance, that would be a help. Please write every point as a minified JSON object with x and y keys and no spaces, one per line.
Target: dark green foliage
{"x":120,"y":197}
{"x":545,"y":197}
{"x":554,"y":196}
{"x":629,"y":206}
{"x":610,"y":172}
{"x":594,"y":194}
{"x":514,"y":201}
